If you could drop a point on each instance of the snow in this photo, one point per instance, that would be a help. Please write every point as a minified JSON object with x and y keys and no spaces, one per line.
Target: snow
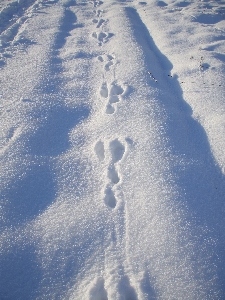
{"x":112,"y":149}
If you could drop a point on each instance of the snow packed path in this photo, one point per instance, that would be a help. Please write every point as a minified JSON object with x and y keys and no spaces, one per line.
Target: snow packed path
{"x":112,"y":150}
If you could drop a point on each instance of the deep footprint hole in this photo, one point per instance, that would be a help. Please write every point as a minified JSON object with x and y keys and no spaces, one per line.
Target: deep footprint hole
{"x":117,"y":150}
{"x":113,"y":175}
{"x":110,"y":109}
{"x":110,"y":199}
{"x":116,"y":89}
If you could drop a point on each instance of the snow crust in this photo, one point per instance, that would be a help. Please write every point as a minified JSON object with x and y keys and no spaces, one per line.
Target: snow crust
{"x":112,"y":150}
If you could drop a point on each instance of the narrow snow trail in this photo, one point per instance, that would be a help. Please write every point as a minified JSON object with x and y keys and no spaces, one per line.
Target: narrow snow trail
{"x":109,"y":186}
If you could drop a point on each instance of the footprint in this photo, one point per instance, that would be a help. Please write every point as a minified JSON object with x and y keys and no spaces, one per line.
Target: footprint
{"x":117,"y":150}
{"x":115,"y":91}
{"x":113,"y":175}
{"x":104,"y":90}
{"x":100,"y":22}
{"x":100,"y":58}
{"x":95,"y":21}
{"x":99,"y":150}
{"x":114,"y":99}
{"x":96,"y":3}
{"x":108,"y":59}
{"x":147,"y":286}
{"x":98,"y":292}
{"x":127,"y":292}
{"x":102,"y":37}
{"x":110,"y":109}
{"x":99,"y":13}
{"x":108,"y":65}
{"x":94,"y":35}
{"x":110,"y":199}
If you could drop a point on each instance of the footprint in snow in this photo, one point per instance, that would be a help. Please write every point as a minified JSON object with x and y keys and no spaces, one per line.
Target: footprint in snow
{"x":98,"y":13}
{"x":96,"y":3}
{"x":98,"y":291}
{"x":100,"y":23}
{"x":114,"y":97}
{"x":109,"y":61}
{"x":117,"y":150}
{"x":110,"y":199}
{"x":113,"y":94}
{"x":102,"y":37}
{"x":113,"y":175}
{"x":124,"y":288}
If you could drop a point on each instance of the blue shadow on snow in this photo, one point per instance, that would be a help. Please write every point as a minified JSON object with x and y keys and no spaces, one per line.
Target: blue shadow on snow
{"x":52,"y":138}
{"x":29,"y":196}
{"x":20,"y":276}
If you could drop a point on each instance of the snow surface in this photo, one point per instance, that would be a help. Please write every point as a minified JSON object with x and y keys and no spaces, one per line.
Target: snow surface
{"x":112,"y":149}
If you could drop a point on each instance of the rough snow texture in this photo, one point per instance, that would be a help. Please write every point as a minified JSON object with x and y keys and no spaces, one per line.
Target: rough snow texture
{"x":112,"y":150}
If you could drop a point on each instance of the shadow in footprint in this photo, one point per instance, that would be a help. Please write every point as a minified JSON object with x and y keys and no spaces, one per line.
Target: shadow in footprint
{"x":110,"y":199}
{"x":109,"y":109}
{"x":147,"y":288}
{"x":113,"y":175}
{"x":52,"y":136}
{"x":117,"y":150}
{"x":100,"y":22}
{"x":161,"y":4}
{"x":182,"y":4}
{"x":126,"y":291}
{"x":115,"y":91}
{"x":108,"y":65}
{"x":98,"y":292}
{"x":29,"y":196}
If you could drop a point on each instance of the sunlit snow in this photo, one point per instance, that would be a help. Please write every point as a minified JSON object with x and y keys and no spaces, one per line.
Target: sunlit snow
{"x":112,"y":139}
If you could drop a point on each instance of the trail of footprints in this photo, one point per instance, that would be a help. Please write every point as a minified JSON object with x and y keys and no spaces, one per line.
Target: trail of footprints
{"x":126,"y":290}
{"x":112,"y":92}
{"x":117,"y":150}
{"x":110,"y":154}
{"x":101,"y":36}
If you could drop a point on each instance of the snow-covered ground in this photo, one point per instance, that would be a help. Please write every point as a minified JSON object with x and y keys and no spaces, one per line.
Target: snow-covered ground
{"x":112,"y":149}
